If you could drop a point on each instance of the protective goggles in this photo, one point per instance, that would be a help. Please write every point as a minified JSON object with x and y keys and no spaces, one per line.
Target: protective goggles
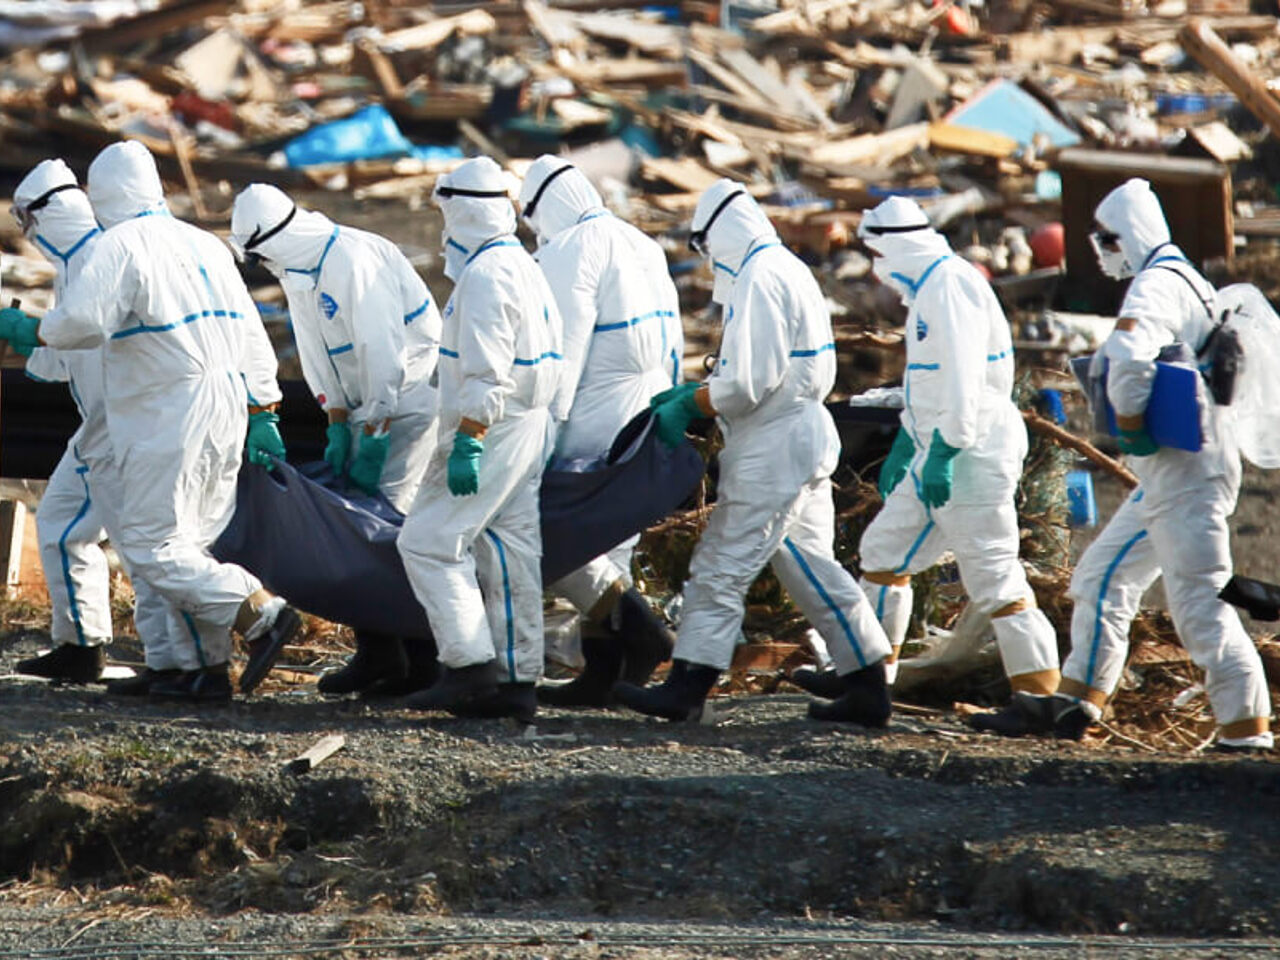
{"x":259,"y":237}
{"x":445,"y":193}
{"x":698,"y":238}
{"x":24,"y":214}
{"x":542,"y":188}
{"x":1106,"y":239}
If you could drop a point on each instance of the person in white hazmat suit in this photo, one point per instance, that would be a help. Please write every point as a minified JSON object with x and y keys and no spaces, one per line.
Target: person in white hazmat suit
{"x":368,"y":335}
{"x":1175,"y":524}
{"x":950,"y":478}
{"x":78,"y":508}
{"x":623,"y":343}
{"x":188,"y":368}
{"x":472,"y":544}
{"x":774,"y":504}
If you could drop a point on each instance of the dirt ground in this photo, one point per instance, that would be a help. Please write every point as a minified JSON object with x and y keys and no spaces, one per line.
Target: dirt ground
{"x":142,"y":830}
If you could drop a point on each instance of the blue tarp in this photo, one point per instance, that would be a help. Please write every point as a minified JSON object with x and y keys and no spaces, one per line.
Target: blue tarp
{"x":1004,"y":107}
{"x":368,"y":134}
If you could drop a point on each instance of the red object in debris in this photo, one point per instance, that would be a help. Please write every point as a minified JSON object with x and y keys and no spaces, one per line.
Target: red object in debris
{"x":982,"y":268}
{"x":1049,"y":245}
{"x":192,"y":107}
{"x":957,"y":19}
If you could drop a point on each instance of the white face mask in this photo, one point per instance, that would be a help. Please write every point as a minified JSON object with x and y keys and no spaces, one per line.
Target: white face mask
{"x":724,"y":280}
{"x":880,"y":267}
{"x":455,"y":258}
{"x":1111,"y":258}
{"x":298,"y":281}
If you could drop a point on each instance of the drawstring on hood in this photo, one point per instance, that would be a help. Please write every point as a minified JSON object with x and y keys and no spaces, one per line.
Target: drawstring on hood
{"x":730,"y":233}
{"x":61,"y":218}
{"x":1131,"y":228}
{"x":124,"y":184}
{"x":266,"y":223}
{"x":555,"y":196}
{"x":904,"y":244}
{"x":476,"y":202}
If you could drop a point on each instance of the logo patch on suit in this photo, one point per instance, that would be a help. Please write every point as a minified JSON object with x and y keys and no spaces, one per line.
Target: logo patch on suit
{"x":448,"y":308}
{"x":922,"y":328}
{"x":328,"y":305}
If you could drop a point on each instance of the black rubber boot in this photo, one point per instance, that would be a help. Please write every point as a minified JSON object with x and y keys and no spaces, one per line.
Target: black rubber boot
{"x":378,"y":656}
{"x":139,"y":685}
{"x":646,"y":641}
{"x":207,"y":685}
{"x":457,"y":688}
{"x":1070,"y":721}
{"x":422,"y":670}
{"x":680,"y":697}
{"x":266,"y":650}
{"x":68,"y":662}
{"x":516,"y":700}
{"x":865,"y":700}
{"x":1026,"y":713}
{"x":821,"y":683}
{"x":593,"y":687}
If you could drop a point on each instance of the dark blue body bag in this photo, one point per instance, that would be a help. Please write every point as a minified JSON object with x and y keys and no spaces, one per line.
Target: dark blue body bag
{"x":332,"y":552}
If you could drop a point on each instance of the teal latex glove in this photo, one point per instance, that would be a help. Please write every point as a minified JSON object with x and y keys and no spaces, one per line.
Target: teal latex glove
{"x":679,"y":390}
{"x":264,"y":440}
{"x":338,"y":450}
{"x":674,"y":410}
{"x":897,"y":463}
{"x":20,"y":330}
{"x":1136,"y":443}
{"x":939,"y":472}
{"x":464,"y":465}
{"x":366,"y":466}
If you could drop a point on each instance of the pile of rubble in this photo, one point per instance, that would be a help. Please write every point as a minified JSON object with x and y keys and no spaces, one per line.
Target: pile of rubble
{"x":988,"y":113}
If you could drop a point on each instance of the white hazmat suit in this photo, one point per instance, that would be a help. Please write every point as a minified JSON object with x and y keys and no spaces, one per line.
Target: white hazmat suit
{"x":473,"y":560}
{"x":774,"y":505}
{"x":1175,"y":524}
{"x":958,"y":383}
{"x":184,"y":354}
{"x":623,"y":340}
{"x":81,"y":502}
{"x":368,"y":332}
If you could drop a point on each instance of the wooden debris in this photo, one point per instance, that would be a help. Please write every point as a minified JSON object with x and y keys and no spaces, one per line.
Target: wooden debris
{"x":320,"y":751}
{"x":1201,"y":42}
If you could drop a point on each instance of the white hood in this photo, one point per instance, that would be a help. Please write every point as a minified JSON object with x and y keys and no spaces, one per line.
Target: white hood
{"x":898,"y":233}
{"x":124,"y":183}
{"x":481,"y":210}
{"x":65,"y":221}
{"x":562,"y":201}
{"x":1133,"y":211}
{"x":740,"y":224}
{"x":260,"y":210}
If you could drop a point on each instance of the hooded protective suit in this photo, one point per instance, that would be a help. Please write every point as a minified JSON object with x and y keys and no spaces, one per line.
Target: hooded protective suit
{"x":368,"y":331}
{"x":958,"y":382}
{"x":623,"y":341}
{"x":1176,"y":522}
{"x":777,"y":363}
{"x":78,"y":509}
{"x":500,"y":359}
{"x":184,"y":355}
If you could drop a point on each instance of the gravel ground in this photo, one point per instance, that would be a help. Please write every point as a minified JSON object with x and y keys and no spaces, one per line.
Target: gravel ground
{"x":140,"y":823}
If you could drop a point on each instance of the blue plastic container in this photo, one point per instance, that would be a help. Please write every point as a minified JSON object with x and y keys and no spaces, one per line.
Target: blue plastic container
{"x":1084,"y":508}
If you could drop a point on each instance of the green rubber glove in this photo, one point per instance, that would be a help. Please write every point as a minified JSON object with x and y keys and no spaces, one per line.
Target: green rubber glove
{"x":939,"y":473}
{"x":338,"y":450}
{"x":366,"y":466}
{"x":264,"y":441}
{"x":674,"y":410}
{"x":897,"y":463}
{"x":1136,"y":443}
{"x":464,"y":465}
{"x":20,"y":330}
